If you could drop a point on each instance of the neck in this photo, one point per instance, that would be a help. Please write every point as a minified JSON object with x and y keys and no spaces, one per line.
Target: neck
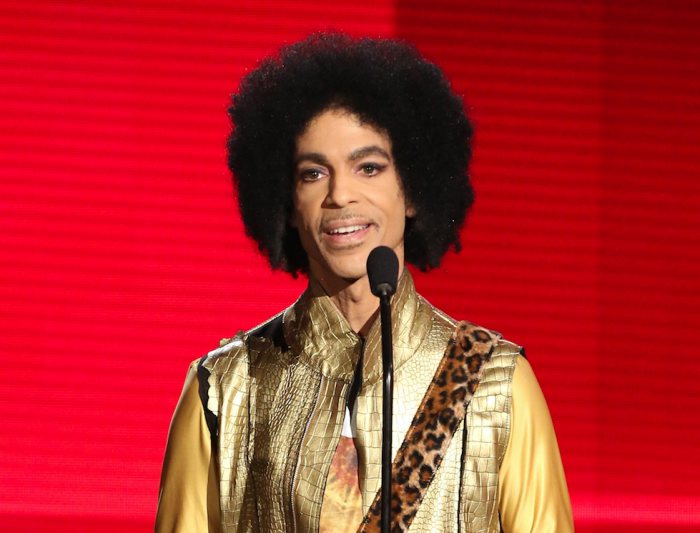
{"x":358,"y":305}
{"x":354,"y":300}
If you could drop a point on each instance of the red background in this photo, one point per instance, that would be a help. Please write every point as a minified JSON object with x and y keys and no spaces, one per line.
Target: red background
{"x":122,"y":257}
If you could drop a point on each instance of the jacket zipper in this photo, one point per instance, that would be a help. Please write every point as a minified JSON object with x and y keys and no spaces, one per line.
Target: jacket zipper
{"x":296,"y":468}
{"x":306,"y":429}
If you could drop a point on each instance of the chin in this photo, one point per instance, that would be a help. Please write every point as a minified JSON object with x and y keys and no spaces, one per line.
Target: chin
{"x":350,"y":272}
{"x":349,"y":269}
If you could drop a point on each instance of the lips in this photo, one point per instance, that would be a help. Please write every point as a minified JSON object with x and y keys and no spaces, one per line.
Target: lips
{"x":341,"y":233}
{"x":347,"y":230}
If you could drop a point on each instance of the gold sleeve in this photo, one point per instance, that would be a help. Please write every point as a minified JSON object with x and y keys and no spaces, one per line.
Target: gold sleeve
{"x":189,"y":495}
{"x":532,"y":485}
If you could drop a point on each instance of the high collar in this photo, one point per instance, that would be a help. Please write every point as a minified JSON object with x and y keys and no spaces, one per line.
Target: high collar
{"x":320,"y":336}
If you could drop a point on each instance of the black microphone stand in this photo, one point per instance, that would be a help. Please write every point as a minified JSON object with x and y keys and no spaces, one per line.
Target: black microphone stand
{"x":387,"y":407}
{"x":383,"y":273}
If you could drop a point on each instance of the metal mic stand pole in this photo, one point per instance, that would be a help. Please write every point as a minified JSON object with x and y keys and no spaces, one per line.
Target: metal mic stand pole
{"x":387,"y":408}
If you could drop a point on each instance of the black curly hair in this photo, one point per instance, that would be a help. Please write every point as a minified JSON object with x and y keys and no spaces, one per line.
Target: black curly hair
{"x":389,"y":86}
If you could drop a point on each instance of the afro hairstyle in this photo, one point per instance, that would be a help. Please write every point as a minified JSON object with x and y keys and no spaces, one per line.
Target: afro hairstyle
{"x":387,"y":85}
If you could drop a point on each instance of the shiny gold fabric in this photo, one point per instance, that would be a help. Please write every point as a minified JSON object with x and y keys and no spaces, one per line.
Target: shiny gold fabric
{"x":281,"y":414}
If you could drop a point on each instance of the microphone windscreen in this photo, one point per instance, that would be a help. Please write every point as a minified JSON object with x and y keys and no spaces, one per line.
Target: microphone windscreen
{"x":383,"y":270}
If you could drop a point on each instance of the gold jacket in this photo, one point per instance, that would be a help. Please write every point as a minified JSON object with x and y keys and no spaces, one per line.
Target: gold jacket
{"x":280,"y":416}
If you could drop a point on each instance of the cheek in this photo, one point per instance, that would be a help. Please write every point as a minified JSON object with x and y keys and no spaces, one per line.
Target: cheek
{"x":302,"y":217}
{"x":401,"y":209}
{"x":306,"y":207}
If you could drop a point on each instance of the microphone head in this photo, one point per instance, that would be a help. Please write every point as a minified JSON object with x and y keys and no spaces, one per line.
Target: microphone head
{"x":383,"y":271}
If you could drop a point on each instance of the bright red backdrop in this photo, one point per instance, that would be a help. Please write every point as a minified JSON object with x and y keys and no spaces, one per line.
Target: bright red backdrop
{"x":122,"y":257}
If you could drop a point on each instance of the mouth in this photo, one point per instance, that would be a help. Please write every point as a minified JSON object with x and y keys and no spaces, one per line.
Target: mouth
{"x":339,"y":234}
{"x":348,"y":230}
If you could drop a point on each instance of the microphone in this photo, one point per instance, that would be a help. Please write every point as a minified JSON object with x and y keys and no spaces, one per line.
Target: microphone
{"x":383,"y":274}
{"x":383,"y":271}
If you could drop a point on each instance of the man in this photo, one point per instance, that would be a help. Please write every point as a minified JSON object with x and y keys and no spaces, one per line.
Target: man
{"x":339,"y":146}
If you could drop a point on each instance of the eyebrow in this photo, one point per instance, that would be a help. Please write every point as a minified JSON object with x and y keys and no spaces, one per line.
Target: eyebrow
{"x":314,"y":157}
{"x":368,"y":150}
{"x":355,"y":155}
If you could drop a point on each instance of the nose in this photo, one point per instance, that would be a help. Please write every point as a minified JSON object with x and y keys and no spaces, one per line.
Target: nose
{"x":341,"y":190}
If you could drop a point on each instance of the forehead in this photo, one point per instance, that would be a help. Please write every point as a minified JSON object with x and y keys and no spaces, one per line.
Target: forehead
{"x":337,"y":131}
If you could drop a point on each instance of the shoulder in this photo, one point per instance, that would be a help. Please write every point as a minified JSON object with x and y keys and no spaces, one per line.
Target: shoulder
{"x":441,"y":320}
{"x":502,"y":358}
{"x":241,"y":350}
{"x":231,"y":351}
{"x":505,"y":354}
{"x":498,"y":378}
{"x":528,"y":399}
{"x":226,"y":371}
{"x":501,"y":348}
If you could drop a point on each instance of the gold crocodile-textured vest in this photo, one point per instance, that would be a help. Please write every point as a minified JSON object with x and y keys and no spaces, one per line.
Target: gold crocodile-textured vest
{"x":280,"y":415}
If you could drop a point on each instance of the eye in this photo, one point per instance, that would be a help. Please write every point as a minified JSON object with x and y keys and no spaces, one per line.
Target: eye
{"x":371,"y":169}
{"x":311,"y":174}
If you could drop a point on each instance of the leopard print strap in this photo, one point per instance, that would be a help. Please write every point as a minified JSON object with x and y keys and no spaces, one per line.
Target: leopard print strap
{"x":440,"y":413}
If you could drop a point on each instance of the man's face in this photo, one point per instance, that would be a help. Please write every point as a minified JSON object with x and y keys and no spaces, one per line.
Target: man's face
{"x":347,"y":197}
